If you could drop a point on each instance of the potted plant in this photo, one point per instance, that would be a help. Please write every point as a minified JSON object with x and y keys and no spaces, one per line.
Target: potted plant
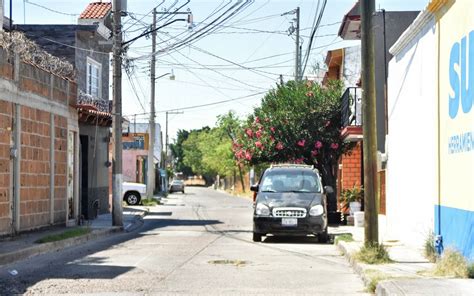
{"x":351,"y":199}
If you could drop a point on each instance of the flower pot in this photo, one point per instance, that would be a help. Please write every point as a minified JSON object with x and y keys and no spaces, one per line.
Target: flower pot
{"x":354,"y":206}
{"x":359,"y":219}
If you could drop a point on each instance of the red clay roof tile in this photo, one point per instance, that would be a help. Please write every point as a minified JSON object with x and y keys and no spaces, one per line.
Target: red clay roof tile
{"x":96,"y":10}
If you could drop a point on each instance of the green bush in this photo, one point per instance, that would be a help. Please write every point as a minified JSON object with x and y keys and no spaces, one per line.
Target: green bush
{"x":64,"y":235}
{"x":429,"y":248}
{"x":349,"y":195}
{"x":346,"y":237}
{"x":470,"y":270}
{"x":375,"y":276}
{"x":452,"y":264}
{"x":149,"y":202}
{"x":373,"y":253}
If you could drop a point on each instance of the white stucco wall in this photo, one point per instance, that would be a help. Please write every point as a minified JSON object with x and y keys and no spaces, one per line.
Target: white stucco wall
{"x":351,"y":66}
{"x":412,"y":139}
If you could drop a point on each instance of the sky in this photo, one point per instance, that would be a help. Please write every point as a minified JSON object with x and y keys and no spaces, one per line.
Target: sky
{"x":238,"y":62}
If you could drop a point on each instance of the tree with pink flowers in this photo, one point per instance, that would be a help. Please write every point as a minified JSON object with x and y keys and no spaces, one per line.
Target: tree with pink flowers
{"x":297,"y":122}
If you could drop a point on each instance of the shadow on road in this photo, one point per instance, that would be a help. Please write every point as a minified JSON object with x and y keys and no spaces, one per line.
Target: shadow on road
{"x":79,"y":262}
{"x":71,"y":263}
{"x":293,"y":240}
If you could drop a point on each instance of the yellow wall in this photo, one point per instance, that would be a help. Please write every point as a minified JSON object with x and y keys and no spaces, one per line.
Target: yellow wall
{"x":456,"y":161}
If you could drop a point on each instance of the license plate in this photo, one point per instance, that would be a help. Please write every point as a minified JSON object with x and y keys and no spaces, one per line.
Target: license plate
{"x":289,"y":221}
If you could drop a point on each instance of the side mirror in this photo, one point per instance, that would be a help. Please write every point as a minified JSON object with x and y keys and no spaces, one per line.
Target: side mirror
{"x":254,"y":188}
{"x":328,"y":189}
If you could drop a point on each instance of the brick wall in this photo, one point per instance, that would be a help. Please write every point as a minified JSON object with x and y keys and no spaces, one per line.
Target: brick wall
{"x":60,"y":168}
{"x":40,"y":95}
{"x":351,"y":175}
{"x":351,"y":168}
{"x":382,"y":204}
{"x":34,"y":167}
{"x":5,"y":178}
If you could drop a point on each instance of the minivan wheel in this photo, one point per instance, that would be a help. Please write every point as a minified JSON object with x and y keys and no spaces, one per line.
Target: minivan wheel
{"x":132,"y":198}
{"x":323,"y":237}
{"x":257,"y":237}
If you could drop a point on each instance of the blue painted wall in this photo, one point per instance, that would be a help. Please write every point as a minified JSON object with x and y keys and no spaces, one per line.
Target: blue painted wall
{"x":457,"y":229}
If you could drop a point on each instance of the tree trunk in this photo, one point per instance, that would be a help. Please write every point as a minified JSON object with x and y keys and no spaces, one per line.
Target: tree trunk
{"x":330,"y":180}
{"x":241,"y":179}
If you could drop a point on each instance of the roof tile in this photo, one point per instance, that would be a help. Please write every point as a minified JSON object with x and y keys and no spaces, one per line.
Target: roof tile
{"x":96,"y":10}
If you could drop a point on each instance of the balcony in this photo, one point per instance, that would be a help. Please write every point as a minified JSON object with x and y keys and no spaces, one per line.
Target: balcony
{"x":89,"y":100}
{"x":351,"y":111}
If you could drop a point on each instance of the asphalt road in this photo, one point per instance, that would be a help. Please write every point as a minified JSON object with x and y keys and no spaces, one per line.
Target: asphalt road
{"x":198,"y":243}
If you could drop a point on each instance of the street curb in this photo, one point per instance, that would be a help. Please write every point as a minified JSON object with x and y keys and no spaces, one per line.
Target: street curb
{"x":355,"y":265}
{"x":55,"y":246}
{"x":137,"y":218}
{"x":384,"y":288}
{"x":39,"y":249}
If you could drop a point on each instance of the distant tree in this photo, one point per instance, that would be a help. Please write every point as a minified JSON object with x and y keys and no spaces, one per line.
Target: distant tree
{"x":297,"y":122}
{"x":216,"y":150}
{"x":178,"y":155}
{"x":209,"y":151}
{"x":192,"y":155}
{"x":231,"y":125}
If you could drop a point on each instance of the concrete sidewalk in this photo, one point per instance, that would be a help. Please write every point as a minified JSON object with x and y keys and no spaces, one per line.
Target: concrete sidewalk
{"x":24,"y":245}
{"x":406,"y":275}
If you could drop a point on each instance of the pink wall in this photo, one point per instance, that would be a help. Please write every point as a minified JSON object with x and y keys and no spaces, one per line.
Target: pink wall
{"x":129,"y":161}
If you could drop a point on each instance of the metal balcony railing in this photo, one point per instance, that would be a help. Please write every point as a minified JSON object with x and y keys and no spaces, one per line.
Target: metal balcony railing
{"x":86,"y":99}
{"x":351,"y":107}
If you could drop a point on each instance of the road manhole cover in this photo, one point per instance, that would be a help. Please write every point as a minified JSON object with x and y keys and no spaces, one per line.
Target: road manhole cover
{"x":228,"y":262}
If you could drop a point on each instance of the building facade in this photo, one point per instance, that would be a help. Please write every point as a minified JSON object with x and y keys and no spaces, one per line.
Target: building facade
{"x":87,"y":47}
{"x":39,"y":180}
{"x":431,"y":129}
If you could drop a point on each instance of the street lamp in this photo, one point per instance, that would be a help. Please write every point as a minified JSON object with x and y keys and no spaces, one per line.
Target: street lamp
{"x":172,"y":77}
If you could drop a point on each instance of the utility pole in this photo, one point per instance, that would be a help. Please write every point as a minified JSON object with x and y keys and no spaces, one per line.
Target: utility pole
{"x":150,"y":187}
{"x":298,"y":48}
{"x":166,"y":134}
{"x":117,"y":116}
{"x":371,"y":190}
{"x":292,"y":30}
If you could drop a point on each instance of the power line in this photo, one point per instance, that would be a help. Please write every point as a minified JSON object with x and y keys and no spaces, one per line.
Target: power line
{"x":318,"y":22}
{"x":134,"y":89}
{"x":203,"y":105}
{"x":75,"y":47}
{"x":229,"y":77}
{"x":207,"y":29}
{"x":124,"y":30}
{"x":52,"y":10}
